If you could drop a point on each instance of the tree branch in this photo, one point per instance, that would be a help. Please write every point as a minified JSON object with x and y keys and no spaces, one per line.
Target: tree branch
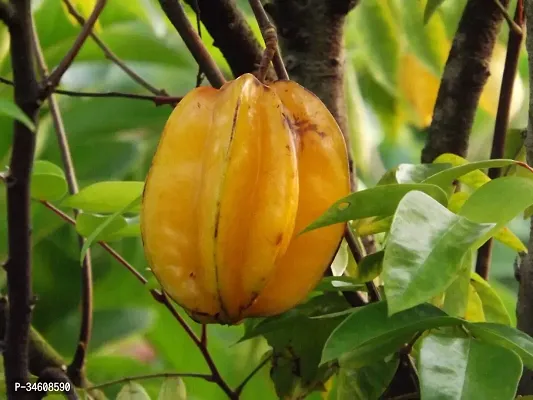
{"x":465,"y":75}
{"x":18,"y":265}
{"x":7,"y":12}
{"x":176,"y":15}
{"x":56,"y":375}
{"x":112,"y":56}
{"x":501,"y":124}
{"x":127,"y":379}
{"x":232,"y":35}
{"x":76,"y":369}
{"x":55,"y":77}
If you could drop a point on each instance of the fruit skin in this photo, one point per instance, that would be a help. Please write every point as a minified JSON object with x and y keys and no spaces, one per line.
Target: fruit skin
{"x":239,"y":172}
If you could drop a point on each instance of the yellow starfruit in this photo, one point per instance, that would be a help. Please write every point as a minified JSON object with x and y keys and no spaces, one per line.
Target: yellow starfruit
{"x":239,"y":172}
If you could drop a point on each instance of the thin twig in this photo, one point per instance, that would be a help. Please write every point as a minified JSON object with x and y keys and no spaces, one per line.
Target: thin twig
{"x":112,"y":56}
{"x":199,"y":75}
{"x":76,"y":368}
{"x":157,"y":100}
{"x":127,"y":379}
{"x":19,"y":262}
{"x":163,"y":298}
{"x":513,"y":25}
{"x":272,"y":51}
{"x":55,"y":77}
{"x":238,"y":390}
{"x":176,"y":15}
{"x":501,"y":124}
{"x":104,"y":245}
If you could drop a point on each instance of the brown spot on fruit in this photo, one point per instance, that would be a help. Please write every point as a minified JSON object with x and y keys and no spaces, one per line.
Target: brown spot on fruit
{"x":279,"y":238}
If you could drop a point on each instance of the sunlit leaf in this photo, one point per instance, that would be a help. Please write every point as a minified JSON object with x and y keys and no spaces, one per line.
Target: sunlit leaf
{"x":493,"y":307}
{"x":133,"y":391}
{"x":424,"y":250}
{"x":106,"y":197}
{"x":173,"y":389}
{"x":431,"y":7}
{"x":48,"y":181}
{"x":370,"y":267}
{"x":474,"y":308}
{"x":456,"y":296}
{"x":377,"y":201}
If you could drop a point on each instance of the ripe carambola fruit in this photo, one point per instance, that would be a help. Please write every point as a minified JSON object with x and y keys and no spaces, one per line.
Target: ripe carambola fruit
{"x":238,"y":174}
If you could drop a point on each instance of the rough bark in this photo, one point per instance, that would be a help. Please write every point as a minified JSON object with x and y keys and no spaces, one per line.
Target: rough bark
{"x":465,"y":75}
{"x":524,"y":309}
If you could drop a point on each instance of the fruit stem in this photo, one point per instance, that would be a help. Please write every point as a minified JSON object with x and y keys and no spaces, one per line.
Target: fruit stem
{"x":272,"y":52}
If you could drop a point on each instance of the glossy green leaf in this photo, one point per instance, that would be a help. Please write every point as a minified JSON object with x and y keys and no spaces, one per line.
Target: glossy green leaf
{"x":474,"y":307}
{"x":9,"y":108}
{"x":368,"y":328}
{"x":377,"y":201}
{"x":133,"y":391}
{"x":86,"y":224}
{"x":368,"y":382}
{"x":372,"y":226}
{"x":505,"y":336}
{"x":498,"y":201}
{"x":453,"y":368}
{"x":336,"y":283}
{"x":493,"y":306}
{"x":456,"y":296}
{"x":173,"y":389}
{"x":106,"y":197}
{"x":447,"y":176}
{"x":370,"y":267}
{"x":338,"y":266}
{"x":417,"y":173}
{"x":424,"y":250}
{"x":48,"y":181}
{"x":107,"y":222}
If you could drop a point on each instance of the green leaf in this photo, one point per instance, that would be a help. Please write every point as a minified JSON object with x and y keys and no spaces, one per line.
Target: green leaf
{"x":447,"y":176}
{"x":336,"y":283}
{"x":431,"y":7}
{"x":505,"y":336}
{"x":106,"y":197}
{"x":452,"y":368}
{"x":340,"y":262}
{"x":173,"y":389}
{"x":109,"y":220}
{"x":456,"y":296}
{"x":368,"y":382}
{"x":86,"y":224}
{"x":424,"y":250}
{"x":377,"y":201}
{"x":133,"y":391}
{"x":493,"y":306}
{"x":370,"y":267}
{"x":9,"y":108}
{"x":498,"y":201}
{"x":417,"y":173}
{"x":369,"y":328}
{"x":48,"y":181}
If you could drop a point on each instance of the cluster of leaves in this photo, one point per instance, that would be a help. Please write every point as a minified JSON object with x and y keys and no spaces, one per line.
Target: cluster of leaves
{"x":458,"y":327}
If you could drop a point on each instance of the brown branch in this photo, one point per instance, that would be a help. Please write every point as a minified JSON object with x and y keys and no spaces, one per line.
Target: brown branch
{"x":465,"y":75}
{"x":232,"y":35}
{"x":157,"y":100}
{"x":76,"y":369}
{"x":112,"y":56}
{"x":55,"y":77}
{"x":501,"y":124}
{"x":271,"y":40}
{"x":127,"y":379}
{"x":55,"y":375}
{"x":18,"y":264}
{"x":7,"y":12}
{"x":176,"y":15}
